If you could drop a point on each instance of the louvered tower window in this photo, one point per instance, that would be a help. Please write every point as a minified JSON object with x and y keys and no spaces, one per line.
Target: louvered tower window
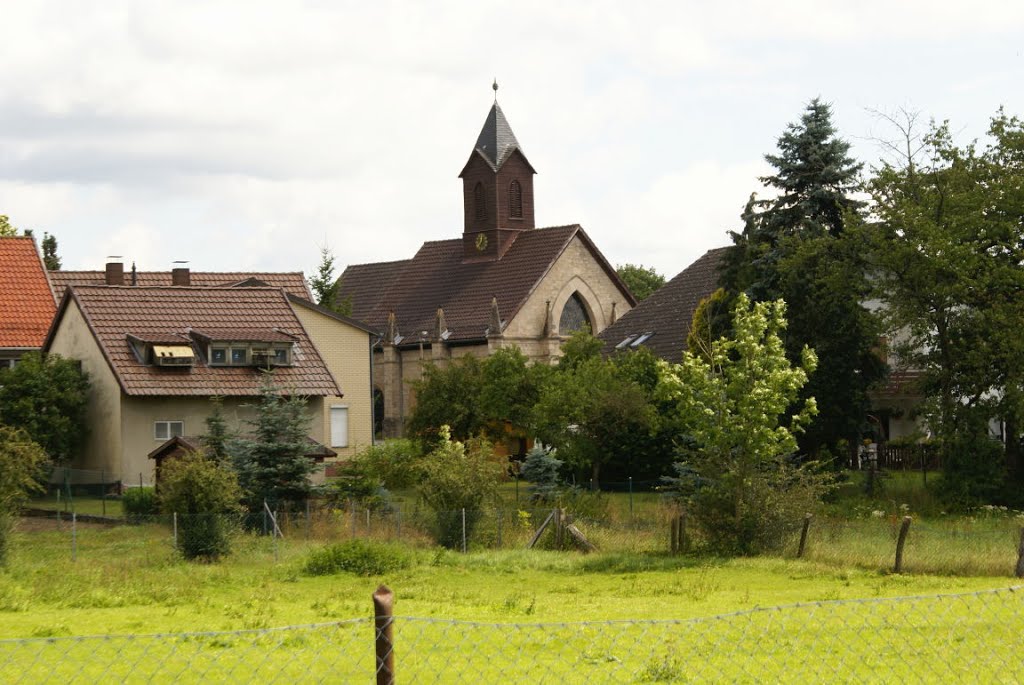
{"x":479,"y":202}
{"x":574,"y":316}
{"x":515,"y":200}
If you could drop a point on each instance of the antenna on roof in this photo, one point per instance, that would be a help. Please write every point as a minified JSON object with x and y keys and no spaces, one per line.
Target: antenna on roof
{"x":180,"y":261}
{"x":495,"y":87}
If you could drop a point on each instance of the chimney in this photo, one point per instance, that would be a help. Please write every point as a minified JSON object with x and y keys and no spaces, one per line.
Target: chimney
{"x":180,"y":275}
{"x":114,"y":273}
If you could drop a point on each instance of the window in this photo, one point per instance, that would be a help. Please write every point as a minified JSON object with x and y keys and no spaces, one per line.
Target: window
{"x":641,"y":339}
{"x":281,"y":357}
{"x":239,"y":355}
{"x":339,"y":426}
{"x":574,"y":316}
{"x":479,"y":202}
{"x":219,"y":355}
{"x":515,"y":200}
{"x":165,"y":430}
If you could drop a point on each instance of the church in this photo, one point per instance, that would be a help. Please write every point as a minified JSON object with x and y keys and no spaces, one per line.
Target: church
{"x":503,"y":283}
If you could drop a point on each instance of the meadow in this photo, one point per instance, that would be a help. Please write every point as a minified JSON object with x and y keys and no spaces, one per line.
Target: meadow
{"x":631,"y":612}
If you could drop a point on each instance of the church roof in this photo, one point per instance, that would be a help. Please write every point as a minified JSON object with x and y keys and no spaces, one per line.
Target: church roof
{"x":437,"y":277}
{"x":496,"y":140}
{"x":665,"y":317}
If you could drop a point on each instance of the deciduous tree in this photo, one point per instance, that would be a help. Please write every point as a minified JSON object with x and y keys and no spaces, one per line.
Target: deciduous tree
{"x":641,"y":280}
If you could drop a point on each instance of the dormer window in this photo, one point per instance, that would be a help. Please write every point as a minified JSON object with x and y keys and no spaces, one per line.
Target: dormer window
{"x":250,"y":354}
{"x":515,"y":200}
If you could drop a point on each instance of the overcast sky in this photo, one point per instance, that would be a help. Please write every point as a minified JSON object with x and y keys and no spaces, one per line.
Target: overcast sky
{"x":244,"y":135}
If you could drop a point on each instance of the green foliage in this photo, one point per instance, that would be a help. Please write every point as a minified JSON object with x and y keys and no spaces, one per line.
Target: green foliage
{"x":641,"y":280}
{"x":541,"y":469}
{"x":271,"y":463}
{"x":357,"y":485}
{"x":711,"y":320}
{"x":396,"y":464}
{"x":592,"y":410}
{"x":51,"y":259}
{"x":47,"y":396}
{"x":21,"y":465}
{"x":204,"y":493}
{"x":798,"y":247}
{"x":361,"y":557}
{"x":739,"y":479}
{"x":6,"y":230}
{"x":492,"y":397}
{"x":139,"y":504}
{"x":949,"y":254}
{"x":218,"y":436}
{"x":325,"y":285}
{"x":458,"y":477}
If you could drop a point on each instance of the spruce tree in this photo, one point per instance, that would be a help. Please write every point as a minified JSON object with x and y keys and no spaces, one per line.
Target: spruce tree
{"x":795,"y":246}
{"x":217,"y":437}
{"x":272,"y":464}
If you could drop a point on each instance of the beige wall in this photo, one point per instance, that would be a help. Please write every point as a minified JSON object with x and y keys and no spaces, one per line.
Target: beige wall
{"x":346,"y":351}
{"x":73,"y":339}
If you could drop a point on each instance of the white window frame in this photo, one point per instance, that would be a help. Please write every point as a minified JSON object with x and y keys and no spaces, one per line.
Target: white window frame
{"x":168,"y":433}
{"x":339,"y":441}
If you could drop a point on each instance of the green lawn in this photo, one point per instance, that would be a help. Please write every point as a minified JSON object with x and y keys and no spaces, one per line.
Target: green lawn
{"x":127,"y":580}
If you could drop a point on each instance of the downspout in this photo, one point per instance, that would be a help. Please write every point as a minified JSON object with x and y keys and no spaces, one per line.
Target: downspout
{"x":373,"y":392}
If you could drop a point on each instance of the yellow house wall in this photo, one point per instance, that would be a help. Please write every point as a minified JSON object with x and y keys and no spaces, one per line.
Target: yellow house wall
{"x":102,"y":450}
{"x":346,"y":351}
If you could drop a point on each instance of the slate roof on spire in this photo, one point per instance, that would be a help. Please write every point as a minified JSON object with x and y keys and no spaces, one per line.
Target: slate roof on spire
{"x":496,"y":140}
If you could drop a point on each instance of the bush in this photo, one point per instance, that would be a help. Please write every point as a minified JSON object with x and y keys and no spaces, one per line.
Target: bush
{"x":362,"y":557}
{"x":21,"y":461}
{"x":457,"y":477}
{"x":205,"y":495}
{"x":396,"y":464}
{"x":139,"y":504}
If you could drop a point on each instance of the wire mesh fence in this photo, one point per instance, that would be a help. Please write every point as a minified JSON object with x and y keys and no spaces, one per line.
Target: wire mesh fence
{"x":940,"y":638}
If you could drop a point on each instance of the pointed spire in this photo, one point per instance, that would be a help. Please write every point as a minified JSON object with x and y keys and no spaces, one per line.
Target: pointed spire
{"x":440,"y":327}
{"x":494,"y":329}
{"x":392,"y":333}
{"x":496,"y":140}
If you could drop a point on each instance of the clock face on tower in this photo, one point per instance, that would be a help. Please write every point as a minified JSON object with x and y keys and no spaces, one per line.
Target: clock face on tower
{"x":481,"y":242}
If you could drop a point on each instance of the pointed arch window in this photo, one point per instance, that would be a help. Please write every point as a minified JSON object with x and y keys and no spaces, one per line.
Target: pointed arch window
{"x":574,"y":316}
{"x":515,"y":200}
{"x":479,"y":202}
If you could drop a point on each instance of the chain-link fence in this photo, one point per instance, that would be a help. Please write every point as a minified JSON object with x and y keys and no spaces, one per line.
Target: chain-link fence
{"x":943,"y":638}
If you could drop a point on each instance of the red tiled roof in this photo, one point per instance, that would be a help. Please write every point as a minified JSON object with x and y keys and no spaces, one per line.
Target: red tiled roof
{"x":292,"y":281}
{"x":167,"y":313}
{"x":668,"y":313}
{"x":437,"y":277}
{"x":27,"y":305}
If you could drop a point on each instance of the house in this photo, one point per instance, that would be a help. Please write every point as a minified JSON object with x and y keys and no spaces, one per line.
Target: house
{"x":156,"y":354}
{"x":114,"y":274}
{"x":504,"y":282}
{"x":27,"y":304}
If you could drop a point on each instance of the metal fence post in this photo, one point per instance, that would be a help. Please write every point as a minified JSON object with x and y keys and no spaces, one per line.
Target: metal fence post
{"x":463,"y":530}
{"x":904,"y":529}
{"x":308,"y":524}
{"x":1019,"y":572}
{"x":499,"y":528}
{"x":673,"y":545}
{"x":74,"y":536}
{"x":174,"y":517}
{"x":103,"y":490}
{"x":398,"y":523}
{"x":631,"y":497}
{"x":368,"y":528}
{"x":383,"y":621}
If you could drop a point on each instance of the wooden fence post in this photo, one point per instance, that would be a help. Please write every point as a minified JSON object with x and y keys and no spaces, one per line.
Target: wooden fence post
{"x":1019,"y":572}
{"x":383,"y":620}
{"x":558,"y":528}
{"x":803,"y":536}
{"x":904,"y":529}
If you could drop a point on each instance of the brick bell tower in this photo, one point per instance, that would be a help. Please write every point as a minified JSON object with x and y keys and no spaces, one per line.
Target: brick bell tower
{"x":497,"y":191}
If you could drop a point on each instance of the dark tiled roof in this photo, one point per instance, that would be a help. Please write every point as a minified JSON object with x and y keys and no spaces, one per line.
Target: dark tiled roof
{"x":292,"y":281}
{"x":148,"y":313}
{"x":496,"y":140}
{"x":26,"y":303}
{"x":438,"y":277}
{"x":667,"y":314}
{"x":900,"y":383}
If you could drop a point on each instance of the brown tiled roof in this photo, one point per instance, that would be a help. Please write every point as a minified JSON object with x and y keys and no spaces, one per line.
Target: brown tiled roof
{"x":292,"y":281}
{"x":26,"y":303}
{"x":438,"y":277}
{"x":165,"y":313}
{"x":667,"y":314}
{"x":900,"y":383}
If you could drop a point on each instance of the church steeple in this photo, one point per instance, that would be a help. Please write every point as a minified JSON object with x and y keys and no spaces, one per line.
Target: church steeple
{"x":497,"y":190}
